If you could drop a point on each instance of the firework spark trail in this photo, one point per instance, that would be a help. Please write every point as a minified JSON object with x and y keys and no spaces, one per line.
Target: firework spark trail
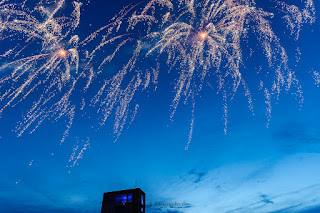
{"x":203,"y":42}
{"x":74,"y":157}
{"x":316,"y":77}
{"x":295,"y":17}
{"x":53,"y":55}
{"x":117,"y":97}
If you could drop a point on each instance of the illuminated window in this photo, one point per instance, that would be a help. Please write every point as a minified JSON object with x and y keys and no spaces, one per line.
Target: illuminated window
{"x":121,"y":199}
{"x":142,"y":199}
{"x":129,"y":198}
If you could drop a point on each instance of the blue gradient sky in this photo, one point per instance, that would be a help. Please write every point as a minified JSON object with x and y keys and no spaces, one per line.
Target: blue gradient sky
{"x":251,"y":169}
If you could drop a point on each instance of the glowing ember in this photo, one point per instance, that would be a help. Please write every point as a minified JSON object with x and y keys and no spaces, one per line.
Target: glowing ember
{"x":62,"y":53}
{"x":203,"y":35}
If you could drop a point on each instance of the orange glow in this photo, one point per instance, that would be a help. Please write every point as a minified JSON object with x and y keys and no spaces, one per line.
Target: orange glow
{"x":62,"y":53}
{"x":203,"y":35}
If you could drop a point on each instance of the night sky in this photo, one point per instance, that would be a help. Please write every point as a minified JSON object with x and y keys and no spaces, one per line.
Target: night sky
{"x":251,"y":168}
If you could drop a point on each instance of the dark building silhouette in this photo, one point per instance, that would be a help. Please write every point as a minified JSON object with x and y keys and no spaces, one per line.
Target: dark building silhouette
{"x":125,"y":201}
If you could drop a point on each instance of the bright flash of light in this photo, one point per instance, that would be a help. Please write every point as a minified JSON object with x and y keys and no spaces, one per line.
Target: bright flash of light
{"x":203,"y":35}
{"x":62,"y":53}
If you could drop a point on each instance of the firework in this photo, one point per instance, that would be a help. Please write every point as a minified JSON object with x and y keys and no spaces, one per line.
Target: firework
{"x":43,"y":57}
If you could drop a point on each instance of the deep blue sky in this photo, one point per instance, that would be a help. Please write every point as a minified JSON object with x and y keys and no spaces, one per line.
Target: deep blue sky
{"x":251,"y":169}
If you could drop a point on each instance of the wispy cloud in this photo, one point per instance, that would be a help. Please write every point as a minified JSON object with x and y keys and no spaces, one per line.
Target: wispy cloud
{"x":290,"y":184}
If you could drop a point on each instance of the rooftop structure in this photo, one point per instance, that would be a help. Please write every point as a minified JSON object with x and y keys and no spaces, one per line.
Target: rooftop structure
{"x":125,"y":201}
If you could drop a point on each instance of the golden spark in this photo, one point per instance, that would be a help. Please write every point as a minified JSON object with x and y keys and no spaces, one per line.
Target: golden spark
{"x":203,"y":35}
{"x":62,"y":53}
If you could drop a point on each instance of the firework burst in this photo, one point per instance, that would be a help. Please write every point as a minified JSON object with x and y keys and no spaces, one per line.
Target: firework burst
{"x":42,"y":58}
